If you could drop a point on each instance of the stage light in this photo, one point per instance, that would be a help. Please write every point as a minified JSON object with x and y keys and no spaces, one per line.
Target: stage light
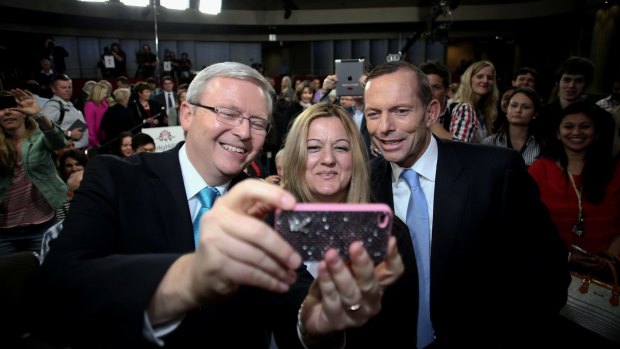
{"x":212,"y":7}
{"x":175,"y":4}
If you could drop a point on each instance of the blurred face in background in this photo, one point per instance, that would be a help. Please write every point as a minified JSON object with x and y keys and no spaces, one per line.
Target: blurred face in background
{"x":306,"y":95}
{"x":347,"y":101}
{"x":63,"y":89}
{"x":482,"y":81}
{"x":126,"y":149}
{"x":526,"y":80}
{"x":571,"y":87}
{"x":576,"y":132}
{"x":71,"y":165}
{"x":146,"y":148}
{"x":520,"y":110}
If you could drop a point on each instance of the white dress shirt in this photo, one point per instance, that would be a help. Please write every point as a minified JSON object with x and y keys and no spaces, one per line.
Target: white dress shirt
{"x":426,"y":167}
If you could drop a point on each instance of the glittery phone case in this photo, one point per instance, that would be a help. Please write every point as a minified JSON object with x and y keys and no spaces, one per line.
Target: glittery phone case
{"x":314,"y":228}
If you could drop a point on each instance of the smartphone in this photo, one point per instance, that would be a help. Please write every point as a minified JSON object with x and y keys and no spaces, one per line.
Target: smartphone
{"x":7,"y":102}
{"x":348,"y":73}
{"x":314,"y":228}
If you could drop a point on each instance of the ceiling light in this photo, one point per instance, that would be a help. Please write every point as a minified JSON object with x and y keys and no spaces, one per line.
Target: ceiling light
{"x":175,"y":4}
{"x":212,"y":7}
{"x":140,"y":3}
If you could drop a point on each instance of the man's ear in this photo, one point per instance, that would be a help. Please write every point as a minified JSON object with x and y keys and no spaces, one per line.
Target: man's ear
{"x":186,"y":113}
{"x":432,"y":112}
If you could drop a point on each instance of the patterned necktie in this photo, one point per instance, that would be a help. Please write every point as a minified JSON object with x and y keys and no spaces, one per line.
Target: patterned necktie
{"x":206,"y":197}
{"x":419,"y":228}
{"x":170,"y":105}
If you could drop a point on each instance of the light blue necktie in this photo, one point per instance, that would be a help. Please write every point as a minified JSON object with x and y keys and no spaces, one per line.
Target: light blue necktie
{"x":206,"y":197}
{"x":418,"y":223}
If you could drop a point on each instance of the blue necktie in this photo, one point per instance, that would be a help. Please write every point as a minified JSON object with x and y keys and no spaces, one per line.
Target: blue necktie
{"x":419,"y":228}
{"x":206,"y":197}
{"x":169,"y":100}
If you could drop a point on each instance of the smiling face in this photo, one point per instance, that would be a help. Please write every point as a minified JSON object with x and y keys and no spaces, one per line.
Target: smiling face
{"x":571,"y":87}
{"x":306,"y":95}
{"x":396,"y":118}
{"x":482,"y":81}
{"x":126,"y":149}
{"x":11,"y":120}
{"x":576,"y":132}
{"x":218,"y":151}
{"x":330,"y":160}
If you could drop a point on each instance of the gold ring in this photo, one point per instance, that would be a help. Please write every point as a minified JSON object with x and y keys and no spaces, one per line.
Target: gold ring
{"x":354,"y":307}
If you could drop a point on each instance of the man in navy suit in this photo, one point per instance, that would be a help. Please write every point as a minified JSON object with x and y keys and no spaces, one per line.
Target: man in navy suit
{"x":498,"y":269}
{"x":126,"y":272}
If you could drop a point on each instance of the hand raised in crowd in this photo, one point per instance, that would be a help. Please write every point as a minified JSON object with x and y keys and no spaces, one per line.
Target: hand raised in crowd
{"x":25,"y":102}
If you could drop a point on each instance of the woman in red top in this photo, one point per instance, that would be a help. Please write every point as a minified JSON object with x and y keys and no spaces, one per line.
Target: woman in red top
{"x":579,"y":182}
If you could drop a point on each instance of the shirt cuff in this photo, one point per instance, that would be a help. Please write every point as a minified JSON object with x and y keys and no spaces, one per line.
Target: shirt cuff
{"x":154,"y":335}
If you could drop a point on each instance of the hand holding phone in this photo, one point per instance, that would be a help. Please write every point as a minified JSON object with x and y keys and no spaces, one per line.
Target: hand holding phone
{"x":314,"y":228}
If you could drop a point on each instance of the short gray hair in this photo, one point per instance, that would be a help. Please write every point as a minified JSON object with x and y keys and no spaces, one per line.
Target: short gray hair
{"x":231,"y":70}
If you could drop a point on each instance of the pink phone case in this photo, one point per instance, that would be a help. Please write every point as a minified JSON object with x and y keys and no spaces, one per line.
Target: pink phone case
{"x":314,"y":228}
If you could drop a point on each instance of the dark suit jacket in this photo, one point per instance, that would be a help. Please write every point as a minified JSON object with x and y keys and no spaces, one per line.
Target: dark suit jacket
{"x":129,"y":221}
{"x":499,"y":270}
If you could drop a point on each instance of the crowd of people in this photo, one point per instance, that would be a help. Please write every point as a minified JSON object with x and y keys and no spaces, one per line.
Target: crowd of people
{"x":489,"y":186}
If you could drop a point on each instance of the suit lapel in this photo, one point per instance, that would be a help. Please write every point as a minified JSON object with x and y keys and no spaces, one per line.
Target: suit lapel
{"x":167,"y":180}
{"x":381,"y":181}
{"x":450,"y":199}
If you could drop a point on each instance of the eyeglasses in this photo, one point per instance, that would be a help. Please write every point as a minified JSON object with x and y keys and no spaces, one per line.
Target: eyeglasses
{"x":232,"y":117}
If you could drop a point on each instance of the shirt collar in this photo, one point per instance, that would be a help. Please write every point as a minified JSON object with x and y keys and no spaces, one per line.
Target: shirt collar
{"x":192,"y":180}
{"x":425,"y":166}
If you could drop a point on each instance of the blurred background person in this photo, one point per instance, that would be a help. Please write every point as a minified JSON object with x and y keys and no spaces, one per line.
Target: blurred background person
{"x":118,"y":118}
{"x":477,"y":90}
{"x":123,"y":146}
{"x":30,"y":189}
{"x":94,"y":110}
{"x":173,"y":114}
{"x":579,"y":182}
{"x":70,"y":161}
{"x":517,"y":131}
{"x":141,"y":142}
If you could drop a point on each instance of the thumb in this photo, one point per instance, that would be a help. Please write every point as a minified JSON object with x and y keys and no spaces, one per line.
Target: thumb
{"x":250,"y":192}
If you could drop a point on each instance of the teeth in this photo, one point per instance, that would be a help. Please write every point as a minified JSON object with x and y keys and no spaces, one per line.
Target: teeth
{"x":233,"y":149}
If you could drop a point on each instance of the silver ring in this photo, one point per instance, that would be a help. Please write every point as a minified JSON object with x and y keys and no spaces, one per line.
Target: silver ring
{"x":354,"y":307}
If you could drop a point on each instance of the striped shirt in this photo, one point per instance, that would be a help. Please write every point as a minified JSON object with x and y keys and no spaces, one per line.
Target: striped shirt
{"x":529,"y":152}
{"x":23,"y":203}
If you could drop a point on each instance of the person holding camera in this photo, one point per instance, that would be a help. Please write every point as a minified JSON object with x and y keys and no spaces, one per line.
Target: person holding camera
{"x":30,"y":189}
{"x":56,"y":54}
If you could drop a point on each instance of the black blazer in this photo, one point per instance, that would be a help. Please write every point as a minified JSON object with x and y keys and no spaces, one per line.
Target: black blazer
{"x":129,"y":221}
{"x":499,"y":270}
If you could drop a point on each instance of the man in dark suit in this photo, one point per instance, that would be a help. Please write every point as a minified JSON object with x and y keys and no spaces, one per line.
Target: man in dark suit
{"x":128,"y":272}
{"x":498,"y":269}
{"x":167,"y":96}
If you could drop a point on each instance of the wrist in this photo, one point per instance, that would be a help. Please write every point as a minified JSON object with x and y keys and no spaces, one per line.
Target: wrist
{"x":37,"y":116}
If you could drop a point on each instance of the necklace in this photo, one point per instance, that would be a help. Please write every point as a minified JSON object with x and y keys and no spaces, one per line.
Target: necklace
{"x":578,"y":227}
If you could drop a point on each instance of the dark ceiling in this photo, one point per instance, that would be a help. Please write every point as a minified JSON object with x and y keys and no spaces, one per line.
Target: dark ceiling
{"x":242,"y":20}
